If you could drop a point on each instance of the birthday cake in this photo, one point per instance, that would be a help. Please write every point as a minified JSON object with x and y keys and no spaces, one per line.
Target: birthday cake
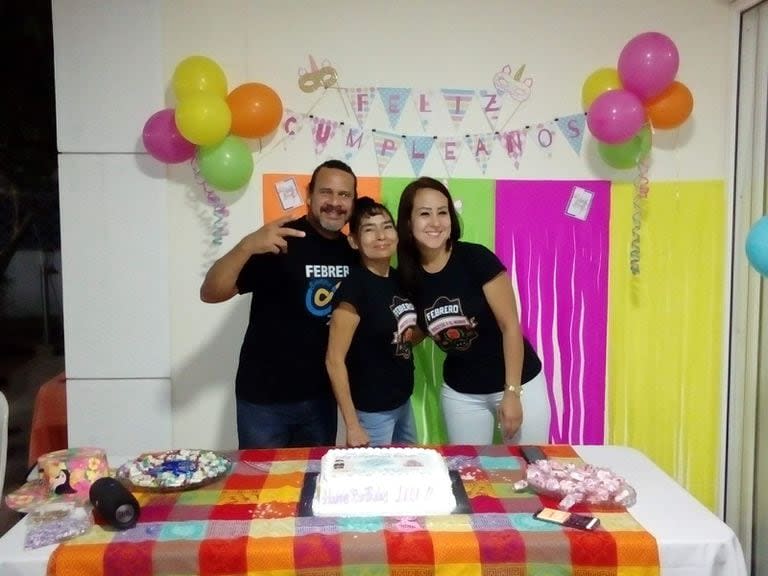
{"x":383,"y":482}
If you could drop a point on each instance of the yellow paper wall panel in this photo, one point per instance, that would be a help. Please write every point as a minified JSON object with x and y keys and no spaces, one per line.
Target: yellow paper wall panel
{"x":666,"y":329}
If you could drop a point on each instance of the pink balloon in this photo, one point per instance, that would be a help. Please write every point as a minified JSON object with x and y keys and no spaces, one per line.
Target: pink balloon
{"x":648,"y":64}
{"x":615,"y":116}
{"x":163,"y":141}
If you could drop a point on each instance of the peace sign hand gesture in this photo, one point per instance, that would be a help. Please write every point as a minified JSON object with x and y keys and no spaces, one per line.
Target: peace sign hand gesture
{"x":220,"y":282}
{"x":272,"y":237}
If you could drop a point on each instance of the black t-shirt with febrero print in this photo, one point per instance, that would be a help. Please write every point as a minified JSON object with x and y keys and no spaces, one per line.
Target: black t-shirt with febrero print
{"x":282,"y":358}
{"x":379,"y":361}
{"x":453,"y":310}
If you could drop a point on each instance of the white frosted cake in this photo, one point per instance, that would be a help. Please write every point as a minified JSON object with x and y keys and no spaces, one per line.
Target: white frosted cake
{"x":383,"y":482}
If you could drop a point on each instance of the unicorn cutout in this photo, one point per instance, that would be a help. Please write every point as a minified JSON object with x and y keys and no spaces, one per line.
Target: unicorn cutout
{"x":515,"y":87}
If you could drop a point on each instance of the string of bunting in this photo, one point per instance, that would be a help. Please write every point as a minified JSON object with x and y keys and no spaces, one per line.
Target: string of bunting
{"x":418,"y":147}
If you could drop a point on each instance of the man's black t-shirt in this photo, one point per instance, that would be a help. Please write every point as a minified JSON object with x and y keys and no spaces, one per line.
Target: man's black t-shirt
{"x":379,"y":361}
{"x":453,"y":310}
{"x":282,"y":358}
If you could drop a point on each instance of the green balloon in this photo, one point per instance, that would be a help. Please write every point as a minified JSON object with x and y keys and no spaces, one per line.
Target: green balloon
{"x":227,"y":165}
{"x":627,"y":154}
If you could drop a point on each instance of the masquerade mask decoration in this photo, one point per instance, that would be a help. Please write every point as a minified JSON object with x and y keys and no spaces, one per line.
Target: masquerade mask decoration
{"x":316,"y":78}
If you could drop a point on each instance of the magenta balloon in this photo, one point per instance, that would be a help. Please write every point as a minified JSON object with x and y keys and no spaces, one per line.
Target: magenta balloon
{"x":648,"y":64}
{"x":615,"y":116}
{"x":163,"y":140}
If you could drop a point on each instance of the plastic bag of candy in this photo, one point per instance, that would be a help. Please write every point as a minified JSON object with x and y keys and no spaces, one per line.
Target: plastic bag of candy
{"x":577,"y":483}
{"x":52,"y":523}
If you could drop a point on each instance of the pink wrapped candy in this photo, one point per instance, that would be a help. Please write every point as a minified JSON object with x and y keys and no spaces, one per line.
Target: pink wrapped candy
{"x":574,"y":484}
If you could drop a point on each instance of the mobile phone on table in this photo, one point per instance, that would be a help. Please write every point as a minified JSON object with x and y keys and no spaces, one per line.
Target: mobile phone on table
{"x":532,"y":454}
{"x":568,"y":519}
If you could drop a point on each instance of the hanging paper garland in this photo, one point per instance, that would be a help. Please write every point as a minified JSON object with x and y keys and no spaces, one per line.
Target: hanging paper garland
{"x":640,"y":194}
{"x":220,"y":210}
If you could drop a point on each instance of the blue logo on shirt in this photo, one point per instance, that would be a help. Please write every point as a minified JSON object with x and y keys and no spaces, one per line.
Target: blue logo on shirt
{"x":320,"y":295}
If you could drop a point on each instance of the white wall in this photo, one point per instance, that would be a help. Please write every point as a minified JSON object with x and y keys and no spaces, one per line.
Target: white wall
{"x":114,"y":225}
{"x":121,"y":56}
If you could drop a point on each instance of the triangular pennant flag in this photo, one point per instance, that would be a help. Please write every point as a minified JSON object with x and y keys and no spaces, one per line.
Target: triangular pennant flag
{"x":544,"y":134}
{"x":513,"y":143}
{"x":394,"y":100}
{"x":491,"y":103}
{"x":418,"y":148}
{"x":422,"y":100}
{"x":449,"y":149}
{"x":290,"y":125}
{"x":457,"y":100}
{"x":360,"y":100}
{"x":354,"y":139}
{"x":385,"y":145}
{"x":572,"y":128}
{"x":480,"y":145}
{"x":323,"y":131}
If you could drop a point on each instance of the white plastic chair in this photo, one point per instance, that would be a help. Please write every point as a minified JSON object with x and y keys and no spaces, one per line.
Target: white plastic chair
{"x":3,"y":440}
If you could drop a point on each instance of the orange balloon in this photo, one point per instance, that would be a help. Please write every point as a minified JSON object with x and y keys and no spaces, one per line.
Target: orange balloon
{"x":256,"y":110}
{"x":670,"y":108}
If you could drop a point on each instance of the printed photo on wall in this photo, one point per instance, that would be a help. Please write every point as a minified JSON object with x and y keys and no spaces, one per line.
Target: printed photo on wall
{"x":288,"y":193}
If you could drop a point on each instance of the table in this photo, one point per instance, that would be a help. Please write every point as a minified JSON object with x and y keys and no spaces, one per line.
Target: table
{"x":691,"y":540}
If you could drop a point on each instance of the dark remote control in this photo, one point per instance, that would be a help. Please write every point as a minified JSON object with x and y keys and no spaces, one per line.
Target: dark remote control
{"x":532,"y":454}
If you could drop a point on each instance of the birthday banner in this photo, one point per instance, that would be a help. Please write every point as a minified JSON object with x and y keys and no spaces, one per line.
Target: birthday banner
{"x":332,"y":137}
{"x":477,"y":121}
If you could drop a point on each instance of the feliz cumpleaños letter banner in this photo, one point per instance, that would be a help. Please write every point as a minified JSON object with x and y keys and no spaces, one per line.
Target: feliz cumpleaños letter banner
{"x":347,"y":137}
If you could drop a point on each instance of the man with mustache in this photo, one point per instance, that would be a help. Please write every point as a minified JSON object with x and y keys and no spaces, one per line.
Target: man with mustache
{"x":292,"y":268}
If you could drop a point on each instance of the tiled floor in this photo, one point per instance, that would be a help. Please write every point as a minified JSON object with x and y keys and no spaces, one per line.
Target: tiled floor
{"x":24,"y":366}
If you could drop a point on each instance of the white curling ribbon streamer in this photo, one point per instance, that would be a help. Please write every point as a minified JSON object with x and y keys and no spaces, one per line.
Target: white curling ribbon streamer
{"x":641,"y":193}
{"x":220,"y":210}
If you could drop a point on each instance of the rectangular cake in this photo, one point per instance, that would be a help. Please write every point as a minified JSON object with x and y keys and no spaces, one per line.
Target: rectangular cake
{"x":383,"y":482}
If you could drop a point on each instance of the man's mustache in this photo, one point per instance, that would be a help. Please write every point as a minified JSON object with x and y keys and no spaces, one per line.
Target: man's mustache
{"x":328,"y":209}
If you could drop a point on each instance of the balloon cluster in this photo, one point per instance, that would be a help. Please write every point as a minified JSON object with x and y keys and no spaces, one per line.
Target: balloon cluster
{"x":209,"y":124}
{"x":623,"y":103}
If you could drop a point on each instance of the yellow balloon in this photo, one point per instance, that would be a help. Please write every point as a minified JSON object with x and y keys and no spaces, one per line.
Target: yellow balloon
{"x":198,"y":74}
{"x":203,"y":119}
{"x":601,"y":80}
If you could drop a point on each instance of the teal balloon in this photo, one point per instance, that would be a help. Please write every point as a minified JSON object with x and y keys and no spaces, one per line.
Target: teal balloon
{"x":757,"y":246}
{"x":227,"y":165}
{"x":627,"y":154}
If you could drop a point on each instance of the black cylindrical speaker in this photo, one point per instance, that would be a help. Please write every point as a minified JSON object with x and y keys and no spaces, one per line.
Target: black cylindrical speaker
{"x":114,"y":503}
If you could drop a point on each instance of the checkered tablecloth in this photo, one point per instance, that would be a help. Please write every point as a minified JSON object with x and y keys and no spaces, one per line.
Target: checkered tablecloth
{"x":250,"y":523}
